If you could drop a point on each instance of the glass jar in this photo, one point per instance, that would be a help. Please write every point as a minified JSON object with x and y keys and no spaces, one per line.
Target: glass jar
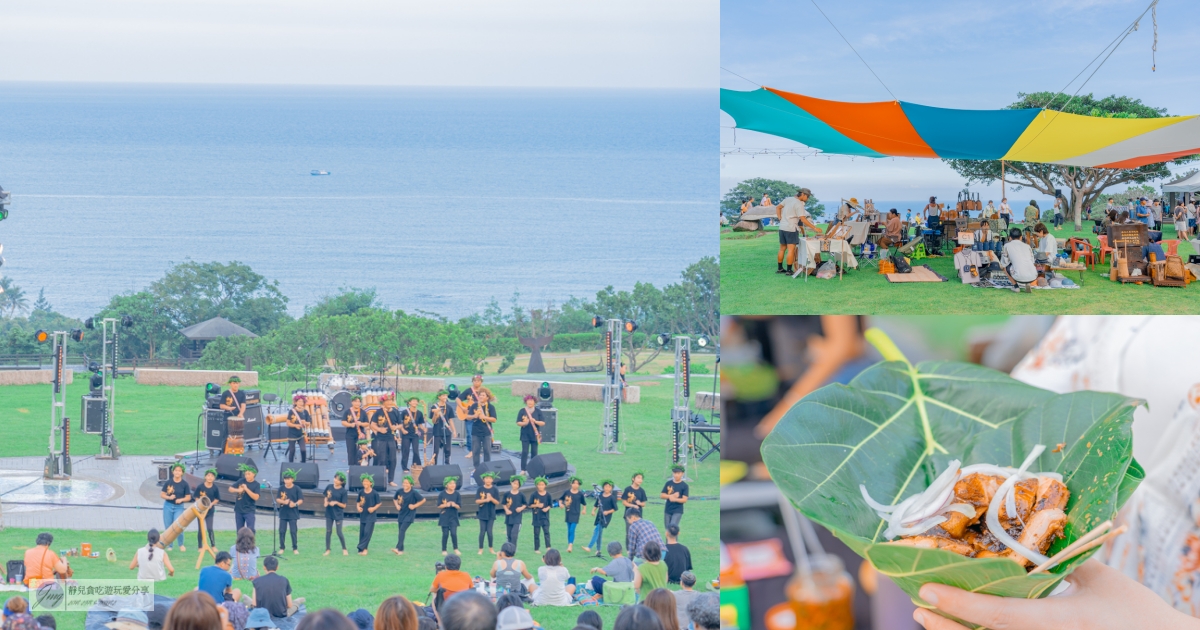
{"x":824,"y":600}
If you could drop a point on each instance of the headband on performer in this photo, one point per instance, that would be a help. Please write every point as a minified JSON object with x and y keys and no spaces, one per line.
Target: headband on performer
{"x":414,"y":399}
{"x":517,"y":478}
{"x":289,"y":473}
{"x":638,"y":473}
{"x":247,"y":468}
{"x":233,"y":379}
{"x":607,"y":482}
{"x":367,"y":478}
{"x":678,"y":468}
{"x":488,"y":475}
{"x":362,"y":441}
{"x":537,"y":480}
{"x":210,"y":471}
{"x":410,"y":480}
{"x":442,"y":392}
{"x":575,"y":479}
{"x":355,"y":397}
{"x":178,"y":465}
{"x":448,"y":480}
{"x":340,"y":475}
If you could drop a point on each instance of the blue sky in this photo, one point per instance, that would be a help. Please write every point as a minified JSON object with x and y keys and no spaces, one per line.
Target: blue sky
{"x":960,"y":53}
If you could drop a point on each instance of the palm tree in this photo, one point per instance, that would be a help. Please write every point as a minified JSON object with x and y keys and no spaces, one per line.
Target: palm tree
{"x":12,"y":299}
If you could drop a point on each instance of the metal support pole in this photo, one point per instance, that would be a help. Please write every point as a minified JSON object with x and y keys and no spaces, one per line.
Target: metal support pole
{"x":681,"y":411}
{"x":58,"y":462}
{"x":110,"y":353}
{"x":610,"y":431}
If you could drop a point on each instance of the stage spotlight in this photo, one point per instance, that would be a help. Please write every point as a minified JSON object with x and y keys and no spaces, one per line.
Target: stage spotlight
{"x":630,"y":325}
{"x":544,"y":392}
{"x":212,"y":389}
{"x":89,"y":323}
{"x":452,"y":391}
{"x":126,"y":321}
{"x":41,"y":336}
{"x":663,"y":339}
{"x":96,"y":381}
{"x":76,"y":334}
{"x":597,"y":321}
{"x":93,"y":367}
{"x":702,"y":341}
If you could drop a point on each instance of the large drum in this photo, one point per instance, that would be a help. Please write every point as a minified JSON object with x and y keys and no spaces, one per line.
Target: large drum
{"x":339,"y":382}
{"x":235,"y":443}
{"x":339,"y":405}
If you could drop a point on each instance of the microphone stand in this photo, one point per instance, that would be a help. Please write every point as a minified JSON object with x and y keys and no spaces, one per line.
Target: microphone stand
{"x":274,"y":526}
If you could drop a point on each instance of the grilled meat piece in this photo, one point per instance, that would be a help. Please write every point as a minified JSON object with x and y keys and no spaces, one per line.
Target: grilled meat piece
{"x":1024,"y":493}
{"x":936,"y":542}
{"x":1051,"y":495}
{"x":975,"y":489}
{"x":1043,"y":529}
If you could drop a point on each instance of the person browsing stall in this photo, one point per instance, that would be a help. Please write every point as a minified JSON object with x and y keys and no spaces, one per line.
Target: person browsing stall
{"x":792,"y":214}
{"x":175,"y":492}
{"x":1017,"y":259}
{"x":1047,"y":246}
{"x":894,"y":229}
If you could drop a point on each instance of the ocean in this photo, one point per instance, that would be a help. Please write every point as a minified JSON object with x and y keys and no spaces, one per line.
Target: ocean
{"x":438,"y":198}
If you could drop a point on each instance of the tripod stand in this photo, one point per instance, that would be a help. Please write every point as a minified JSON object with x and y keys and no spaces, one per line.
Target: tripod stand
{"x":274,"y":526}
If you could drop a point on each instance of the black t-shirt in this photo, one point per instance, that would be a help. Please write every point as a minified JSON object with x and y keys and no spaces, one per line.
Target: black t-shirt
{"x":574,"y":507}
{"x":406,"y":499}
{"x":355,"y":432}
{"x":202,"y":490}
{"x":545,"y":501}
{"x":604,"y":504}
{"x":449,"y":515}
{"x":527,"y":434}
{"x":490,"y":411}
{"x":270,"y":592}
{"x":178,"y":488}
{"x":672,"y":487}
{"x":411,"y":421}
{"x":244,"y":503}
{"x":295,"y":433}
{"x":633,"y":495}
{"x":487,"y":511}
{"x":438,"y":415}
{"x":369,"y":500}
{"x":389,"y":418}
{"x":294,"y":493}
{"x":513,"y":501}
{"x":678,"y":560}
{"x":229,"y":397}
{"x":341,"y":495}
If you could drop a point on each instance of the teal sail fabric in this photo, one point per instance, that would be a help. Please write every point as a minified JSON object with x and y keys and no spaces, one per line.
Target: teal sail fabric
{"x":764,"y":111}
{"x":966,"y":133}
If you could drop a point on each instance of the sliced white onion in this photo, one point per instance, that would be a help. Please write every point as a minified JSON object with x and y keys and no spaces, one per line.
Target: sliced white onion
{"x":919,"y":528}
{"x":966,"y":509}
{"x":1010,"y":504}
{"x":875,"y":505}
{"x":993,"y":513}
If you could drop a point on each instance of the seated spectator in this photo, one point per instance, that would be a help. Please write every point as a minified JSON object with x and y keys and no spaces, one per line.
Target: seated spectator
{"x":396,"y":613}
{"x":637,"y":617}
{"x":556,"y":587}
{"x":245,"y":555}
{"x":152,"y":563}
{"x":684,"y":597}
{"x":510,"y":600}
{"x":510,"y":574}
{"x":129,"y":620}
{"x":274,"y":592}
{"x":678,"y":557}
{"x":1047,"y":245}
{"x":216,"y":581}
{"x":450,"y":581}
{"x":619,"y":569}
{"x":363,"y":619}
{"x":467,"y":611}
{"x":652,"y":573}
{"x":514,"y":618}
{"x":16,"y":615}
{"x":238,"y":614}
{"x":662,"y":602}
{"x":325,"y":619}
{"x":1154,"y":247}
{"x":1017,"y":259}
{"x":41,"y":563}
{"x":425,"y":623}
{"x":640,"y":532}
{"x":196,"y":609}
{"x":47,"y":622}
{"x":591,"y":619}
{"x":705,"y":612}
{"x":259,"y":618}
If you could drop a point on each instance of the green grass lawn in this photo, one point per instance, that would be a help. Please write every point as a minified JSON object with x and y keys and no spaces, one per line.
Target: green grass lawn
{"x":161,"y":420}
{"x":749,"y":285}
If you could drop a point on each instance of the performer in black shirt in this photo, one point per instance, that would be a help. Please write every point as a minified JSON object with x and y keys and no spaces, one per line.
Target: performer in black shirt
{"x":487,"y":497}
{"x":366,"y":454}
{"x":606,"y":505}
{"x":529,"y":418}
{"x":514,"y":504}
{"x":247,"y":490}
{"x":540,"y":503}
{"x":233,"y":402}
{"x":354,"y":423}
{"x":298,"y":419}
{"x":368,"y":504}
{"x":484,"y":414}
{"x":383,"y":426}
{"x":175,"y":492}
{"x":675,"y":492}
{"x":443,"y":429}
{"x":572,"y":503}
{"x":289,"y":500}
{"x":407,"y":500}
{"x":449,"y":502}
{"x":634,"y":496}
{"x":208,"y":489}
{"x":412,"y":421}
{"x":336,"y":497}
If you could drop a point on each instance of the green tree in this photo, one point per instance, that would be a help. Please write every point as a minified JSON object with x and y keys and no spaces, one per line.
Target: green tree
{"x":644,"y":305}
{"x":347,"y":301}
{"x":42,"y":304}
{"x":693,"y":306}
{"x":1083,"y":183}
{"x":154,"y":333}
{"x":193,"y":292}
{"x":731,"y":202}
{"x":12,"y":300}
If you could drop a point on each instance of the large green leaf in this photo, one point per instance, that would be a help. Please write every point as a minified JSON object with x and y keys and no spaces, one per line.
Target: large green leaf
{"x":896,"y":426}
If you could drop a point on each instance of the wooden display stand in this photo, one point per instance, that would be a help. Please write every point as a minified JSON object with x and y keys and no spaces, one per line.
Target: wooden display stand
{"x":1127,"y":241}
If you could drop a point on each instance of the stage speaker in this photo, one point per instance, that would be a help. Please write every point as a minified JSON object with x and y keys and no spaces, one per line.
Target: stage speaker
{"x":214,"y":429}
{"x":549,"y":431}
{"x":378,"y":474}
{"x":93,"y":414}
{"x":277,"y":432}
{"x":503,"y":468}
{"x":547,"y":465}
{"x":254,"y":422}
{"x":432,"y":476}
{"x":227,"y":466}
{"x":307,"y":474}
{"x":253,"y":396}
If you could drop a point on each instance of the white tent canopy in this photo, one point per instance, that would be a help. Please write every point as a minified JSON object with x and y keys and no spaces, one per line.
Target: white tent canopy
{"x":1186,"y":185}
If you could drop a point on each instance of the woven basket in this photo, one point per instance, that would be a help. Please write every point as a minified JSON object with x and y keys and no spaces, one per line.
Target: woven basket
{"x":887,"y":266}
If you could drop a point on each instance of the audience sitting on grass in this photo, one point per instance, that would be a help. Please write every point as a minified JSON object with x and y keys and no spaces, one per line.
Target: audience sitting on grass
{"x":1154,"y":247}
{"x":662,"y":602}
{"x":395,"y":613}
{"x":640,"y":533}
{"x":677,"y":556}
{"x":258,"y":618}
{"x":41,"y":563}
{"x":1017,"y":259}
{"x":637,"y":617}
{"x":652,"y":573}
{"x":705,"y":612}
{"x":467,"y":611}
{"x":151,"y":562}
{"x":514,"y":618}
{"x":1047,"y":247}
{"x":510,"y":573}
{"x":216,"y":581}
{"x":590,"y":619}
{"x":449,"y":581}
{"x":619,"y":569}
{"x":245,"y":555}
{"x":685,"y":596}
{"x":16,"y":615}
{"x":274,"y":592}
{"x":362,"y":618}
{"x":512,"y":600}
{"x":129,"y":620}
{"x":47,"y":622}
{"x":556,"y":587}
{"x":326,"y":619}
{"x":196,"y":610}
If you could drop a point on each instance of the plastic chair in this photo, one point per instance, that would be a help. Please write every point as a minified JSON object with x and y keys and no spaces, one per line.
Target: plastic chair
{"x":1083,"y":249}
{"x":1104,"y":248}
{"x":1172,"y":245}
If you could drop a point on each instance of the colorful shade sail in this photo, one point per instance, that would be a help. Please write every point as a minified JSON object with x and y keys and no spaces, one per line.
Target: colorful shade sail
{"x":901,"y":129}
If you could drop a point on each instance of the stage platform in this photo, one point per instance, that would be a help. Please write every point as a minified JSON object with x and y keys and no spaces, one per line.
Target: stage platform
{"x":271,"y":463}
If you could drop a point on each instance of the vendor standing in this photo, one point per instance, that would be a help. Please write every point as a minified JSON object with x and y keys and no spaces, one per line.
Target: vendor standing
{"x":791,"y":214}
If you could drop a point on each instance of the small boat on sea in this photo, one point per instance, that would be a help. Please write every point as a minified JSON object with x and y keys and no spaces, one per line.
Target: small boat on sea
{"x":316,"y":172}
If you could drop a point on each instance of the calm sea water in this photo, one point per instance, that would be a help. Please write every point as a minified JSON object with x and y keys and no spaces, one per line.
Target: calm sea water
{"x":439,"y":198}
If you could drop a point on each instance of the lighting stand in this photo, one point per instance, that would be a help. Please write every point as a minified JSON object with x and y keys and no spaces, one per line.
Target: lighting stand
{"x":681,"y":411}
{"x":110,"y":347}
{"x":610,"y":431}
{"x":58,"y":462}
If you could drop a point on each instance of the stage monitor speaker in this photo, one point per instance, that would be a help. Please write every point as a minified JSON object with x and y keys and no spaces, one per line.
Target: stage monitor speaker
{"x":307,"y":474}
{"x":432,"y":476}
{"x":547,"y":465}
{"x":214,"y":429}
{"x":378,"y":474}
{"x":549,"y":431}
{"x":277,"y":432}
{"x":93,"y":414}
{"x":503,"y":468}
{"x":227,"y":466}
{"x":253,"y":396}
{"x":254,"y":422}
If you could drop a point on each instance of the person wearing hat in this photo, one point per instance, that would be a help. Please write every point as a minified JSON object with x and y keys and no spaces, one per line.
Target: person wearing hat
{"x":572,"y":501}
{"x":298,"y":419}
{"x":259,"y":618}
{"x":449,"y":502}
{"x":412,"y":424}
{"x":529,"y":418}
{"x":175,"y":493}
{"x":384,"y":424}
{"x":289,"y":499}
{"x":362,"y":618}
{"x":407,"y":500}
{"x":487,"y":498}
{"x":368,"y":504}
{"x":247,"y":491}
{"x":484,"y":414}
{"x":442,"y":430}
{"x":791,"y":215}
{"x":514,"y":618}
{"x":233,"y":403}
{"x":675,"y":492}
{"x":336,"y":497}
{"x":129,"y":619}
{"x":210,"y":490}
